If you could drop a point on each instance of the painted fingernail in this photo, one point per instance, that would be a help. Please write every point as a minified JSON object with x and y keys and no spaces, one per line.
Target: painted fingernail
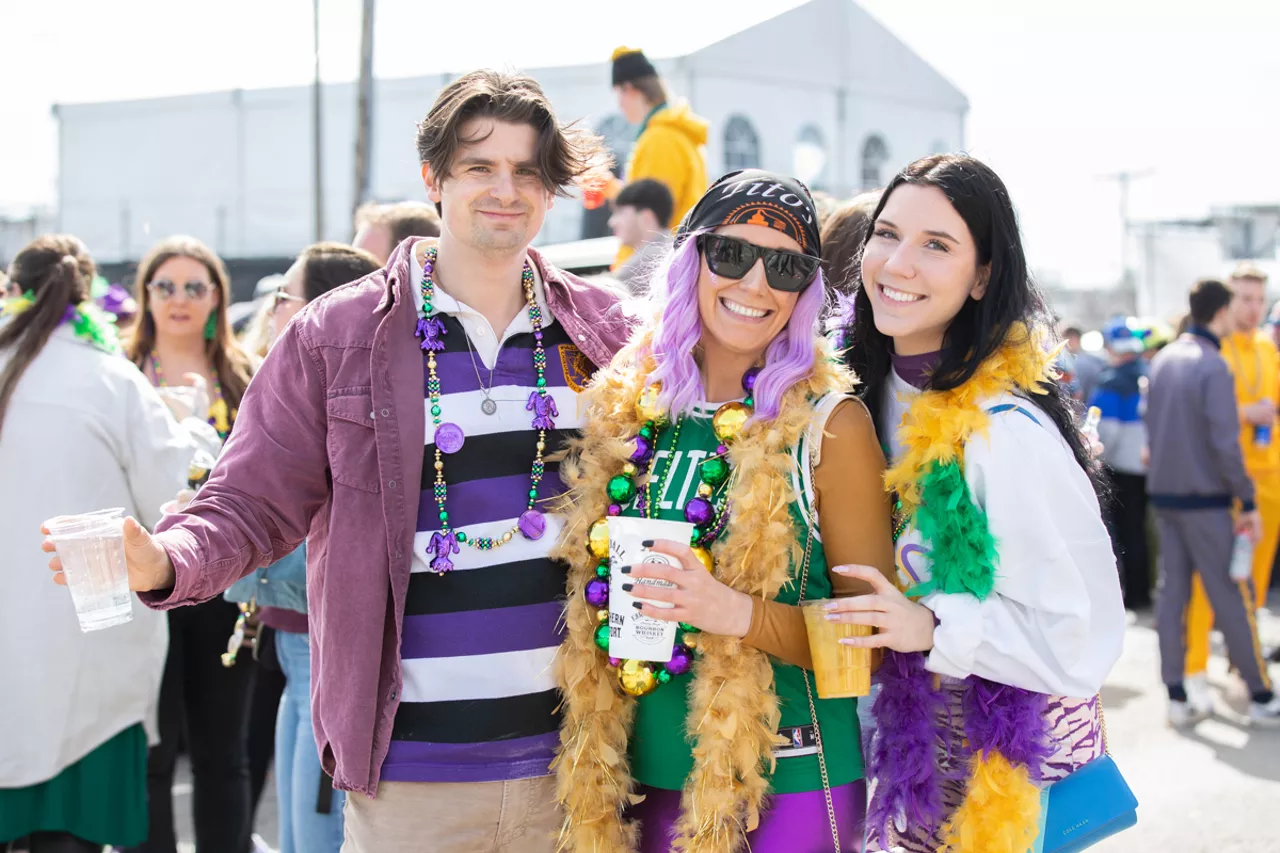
{"x":627,"y":587}
{"x":830,"y":605}
{"x":833,"y":617}
{"x":626,"y":570}
{"x":637,"y":605}
{"x":648,"y":543}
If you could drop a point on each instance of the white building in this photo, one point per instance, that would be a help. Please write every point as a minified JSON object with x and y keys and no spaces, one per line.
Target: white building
{"x":1171,"y":255}
{"x":823,"y":91}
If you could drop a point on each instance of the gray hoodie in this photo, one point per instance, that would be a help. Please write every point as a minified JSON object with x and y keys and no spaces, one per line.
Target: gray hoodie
{"x":1193,"y":428}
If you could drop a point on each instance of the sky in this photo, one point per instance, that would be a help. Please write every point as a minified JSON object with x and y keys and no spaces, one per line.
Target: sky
{"x":1061,"y":95}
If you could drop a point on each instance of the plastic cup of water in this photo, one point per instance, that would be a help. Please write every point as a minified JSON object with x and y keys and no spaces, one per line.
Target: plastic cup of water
{"x":91,"y":547}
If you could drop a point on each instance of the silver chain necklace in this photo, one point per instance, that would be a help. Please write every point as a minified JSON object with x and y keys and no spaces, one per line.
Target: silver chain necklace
{"x":488,"y":406}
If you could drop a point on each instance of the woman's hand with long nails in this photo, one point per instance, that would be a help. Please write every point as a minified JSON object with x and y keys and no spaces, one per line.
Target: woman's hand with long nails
{"x":697,"y":598}
{"x":902,"y":624}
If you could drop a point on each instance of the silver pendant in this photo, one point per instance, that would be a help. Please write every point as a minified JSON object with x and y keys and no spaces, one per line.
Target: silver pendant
{"x":488,"y":406}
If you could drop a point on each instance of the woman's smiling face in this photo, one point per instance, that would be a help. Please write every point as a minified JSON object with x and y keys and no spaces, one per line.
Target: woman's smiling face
{"x":919,"y":267}
{"x":744,"y":315}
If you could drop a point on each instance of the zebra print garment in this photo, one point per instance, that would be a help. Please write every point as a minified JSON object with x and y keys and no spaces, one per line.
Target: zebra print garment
{"x":1074,"y":725}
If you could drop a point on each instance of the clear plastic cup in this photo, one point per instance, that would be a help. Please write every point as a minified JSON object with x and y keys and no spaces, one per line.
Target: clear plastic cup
{"x":839,"y":670}
{"x":91,"y":547}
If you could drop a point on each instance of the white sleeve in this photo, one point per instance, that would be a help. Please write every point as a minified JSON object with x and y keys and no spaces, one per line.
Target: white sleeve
{"x":159,"y":450}
{"x":1055,"y":620}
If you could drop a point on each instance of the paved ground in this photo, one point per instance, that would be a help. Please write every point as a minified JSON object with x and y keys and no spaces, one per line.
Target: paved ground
{"x":1214,"y":789}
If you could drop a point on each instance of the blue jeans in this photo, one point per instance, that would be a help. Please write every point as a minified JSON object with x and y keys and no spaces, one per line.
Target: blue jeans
{"x":302,"y":828}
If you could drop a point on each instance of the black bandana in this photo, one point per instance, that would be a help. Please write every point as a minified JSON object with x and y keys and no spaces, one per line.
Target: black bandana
{"x":757,"y":197}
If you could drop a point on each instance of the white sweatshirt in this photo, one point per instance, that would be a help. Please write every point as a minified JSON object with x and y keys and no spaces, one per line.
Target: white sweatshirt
{"x":1055,"y":621}
{"x":85,"y":430}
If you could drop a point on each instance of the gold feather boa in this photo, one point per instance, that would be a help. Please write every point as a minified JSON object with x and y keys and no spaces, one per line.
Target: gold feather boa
{"x":733,"y":709}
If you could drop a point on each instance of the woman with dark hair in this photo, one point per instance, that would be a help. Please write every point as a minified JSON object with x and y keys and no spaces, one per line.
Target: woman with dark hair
{"x":726,"y":411}
{"x":80,"y":428}
{"x":182,"y":337}
{"x":310,"y":809}
{"x":1012,"y":614}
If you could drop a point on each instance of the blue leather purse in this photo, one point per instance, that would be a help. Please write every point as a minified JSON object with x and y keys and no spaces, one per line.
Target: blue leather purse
{"x":1091,"y":804}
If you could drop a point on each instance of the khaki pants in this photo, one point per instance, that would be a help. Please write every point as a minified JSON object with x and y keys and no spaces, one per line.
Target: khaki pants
{"x":444,"y":817}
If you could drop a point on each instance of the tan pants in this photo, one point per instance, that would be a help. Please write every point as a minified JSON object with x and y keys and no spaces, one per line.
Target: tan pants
{"x":443,"y":817}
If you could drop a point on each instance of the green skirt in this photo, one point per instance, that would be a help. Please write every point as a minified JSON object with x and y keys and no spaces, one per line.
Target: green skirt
{"x":101,"y":798}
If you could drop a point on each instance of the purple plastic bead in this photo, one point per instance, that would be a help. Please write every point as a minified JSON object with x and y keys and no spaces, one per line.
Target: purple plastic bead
{"x":532,"y":524}
{"x":642,"y":449}
{"x":749,"y":380}
{"x":615,"y":661}
{"x":721,"y":450}
{"x":680,"y":661}
{"x":597,"y":592}
{"x":615,"y":509}
{"x":699,"y":511}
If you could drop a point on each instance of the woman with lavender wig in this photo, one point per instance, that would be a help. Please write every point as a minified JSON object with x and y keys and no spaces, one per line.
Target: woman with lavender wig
{"x":1012,"y":614}
{"x":728,"y":411}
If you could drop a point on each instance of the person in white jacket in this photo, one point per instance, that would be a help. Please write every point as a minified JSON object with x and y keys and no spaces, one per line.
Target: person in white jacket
{"x":1010,"y":612}
{"x":80,"y":428}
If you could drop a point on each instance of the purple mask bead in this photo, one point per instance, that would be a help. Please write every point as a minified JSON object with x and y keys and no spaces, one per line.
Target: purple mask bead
{"x":699,"y":511}
{"x":680,"y":661}
{"x":450,"y":438}
{"x":532,"y":524}
{"x":597,"y":592}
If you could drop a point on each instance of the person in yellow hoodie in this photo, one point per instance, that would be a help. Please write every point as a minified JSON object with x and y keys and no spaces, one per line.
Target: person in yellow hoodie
{"x":1255,"y":363}
{"x":671,"y":146}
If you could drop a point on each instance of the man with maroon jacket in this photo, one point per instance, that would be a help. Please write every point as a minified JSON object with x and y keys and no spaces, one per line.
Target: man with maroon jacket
{"x":405,"y":425}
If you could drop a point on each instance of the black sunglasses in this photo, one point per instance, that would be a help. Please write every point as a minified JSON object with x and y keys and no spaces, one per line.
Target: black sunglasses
{"x":729,"y":257}
{"x":163,"y":289}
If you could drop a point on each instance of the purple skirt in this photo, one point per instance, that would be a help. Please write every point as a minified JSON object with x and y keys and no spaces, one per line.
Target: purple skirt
{"x":791,"y":823}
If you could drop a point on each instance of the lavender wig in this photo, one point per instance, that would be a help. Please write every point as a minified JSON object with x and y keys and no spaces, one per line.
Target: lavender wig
{"x":788,"y":358}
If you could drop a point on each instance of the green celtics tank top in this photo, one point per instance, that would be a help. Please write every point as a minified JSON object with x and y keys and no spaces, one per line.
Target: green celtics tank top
{"x":661,"y":748}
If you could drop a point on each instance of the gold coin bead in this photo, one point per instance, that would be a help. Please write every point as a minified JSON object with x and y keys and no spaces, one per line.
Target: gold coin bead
{"x":636,"y":677}
{"x":729,"y":420}
{"x":598,"y":539}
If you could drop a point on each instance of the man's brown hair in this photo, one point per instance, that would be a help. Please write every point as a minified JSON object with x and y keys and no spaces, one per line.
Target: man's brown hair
{"x":403,"y":219}
{"x":565,"y":152}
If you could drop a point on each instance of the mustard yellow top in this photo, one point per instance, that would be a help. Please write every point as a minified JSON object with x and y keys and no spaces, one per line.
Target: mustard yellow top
{"x":1255,"y":364}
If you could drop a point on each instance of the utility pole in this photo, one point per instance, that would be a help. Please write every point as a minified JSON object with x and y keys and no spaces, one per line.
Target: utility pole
{"x":317,"y":180}
{"x":364,"y":108}
{"x":1124,"y":179}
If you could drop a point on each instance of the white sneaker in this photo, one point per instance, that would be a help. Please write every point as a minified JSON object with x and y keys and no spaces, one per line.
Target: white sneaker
{"x":1198,"y":695}
{"x":1265,"y":714}
{"x":1183,"y":714}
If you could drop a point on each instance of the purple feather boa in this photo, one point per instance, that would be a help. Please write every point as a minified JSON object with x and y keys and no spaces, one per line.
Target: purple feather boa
{"x":904,"y":754}
{"x":1007,"y":720}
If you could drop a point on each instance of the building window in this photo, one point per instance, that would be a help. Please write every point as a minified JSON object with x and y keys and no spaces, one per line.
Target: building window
{"x":875,"y":153}
{"x":741,"y":145}
{"x":809,"y":157}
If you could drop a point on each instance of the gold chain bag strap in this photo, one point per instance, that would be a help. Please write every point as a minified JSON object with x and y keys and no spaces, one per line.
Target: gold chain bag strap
{"x":808,"y":688}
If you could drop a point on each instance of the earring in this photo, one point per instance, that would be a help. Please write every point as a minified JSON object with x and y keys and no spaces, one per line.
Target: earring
{"x":211,"y":327}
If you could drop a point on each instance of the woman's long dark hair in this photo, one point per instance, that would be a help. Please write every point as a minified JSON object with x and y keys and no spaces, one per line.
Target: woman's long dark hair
{"x":57,"y":270}
{"x":981,"y":325}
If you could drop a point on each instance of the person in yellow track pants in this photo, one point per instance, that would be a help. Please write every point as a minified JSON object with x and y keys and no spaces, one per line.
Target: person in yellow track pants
{"x":1255,"y":363}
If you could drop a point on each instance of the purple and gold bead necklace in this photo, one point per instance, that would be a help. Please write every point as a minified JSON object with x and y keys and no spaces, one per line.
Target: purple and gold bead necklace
{"x":449,"y":437}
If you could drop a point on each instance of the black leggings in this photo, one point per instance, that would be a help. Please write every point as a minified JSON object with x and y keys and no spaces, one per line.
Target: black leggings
{"x":54,"y":842}
{"x":209,"y":703}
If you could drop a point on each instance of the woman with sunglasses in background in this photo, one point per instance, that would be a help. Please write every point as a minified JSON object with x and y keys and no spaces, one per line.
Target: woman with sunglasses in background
{"x":181,"y":337}
{"x":727,"y":411}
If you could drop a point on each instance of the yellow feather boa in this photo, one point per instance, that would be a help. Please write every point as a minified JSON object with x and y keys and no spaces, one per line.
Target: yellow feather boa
{"x":733,"y":709}
{"x":938,"y":423}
